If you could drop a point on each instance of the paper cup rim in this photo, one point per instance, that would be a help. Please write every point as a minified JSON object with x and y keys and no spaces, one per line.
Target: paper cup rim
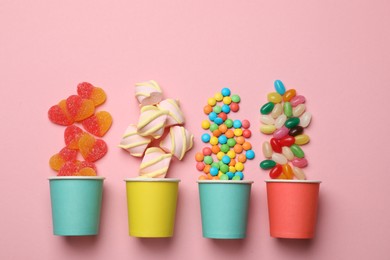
{"x":293,"y":181}
{"x":138,"y":179}
{"x":225,"y":181}
{"x":76,"y":178}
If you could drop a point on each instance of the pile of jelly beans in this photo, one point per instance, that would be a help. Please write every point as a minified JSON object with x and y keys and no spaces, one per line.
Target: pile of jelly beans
{"x":285,"y":117}
{"x":228,"y":149}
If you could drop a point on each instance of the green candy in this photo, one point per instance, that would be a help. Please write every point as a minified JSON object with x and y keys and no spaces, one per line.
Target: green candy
{"x":225,"y":148}
{"x":208,"y":160}
{"x":224,"y":177}
{"x":297,"y":151}
{"x":267,"y":164}
{"x":236,"y":98}
{"x":231,"y":142}
{"x":292,"y":122}
{"x":287,"y":109}
{"x":236,"y":178}
{"x":267,"y":108}
{"x":229,"y":123}
{"x":215,"y":164}
{"x":224,"y":168}
{"x":213,"y":127}
{"x":217,"y":109}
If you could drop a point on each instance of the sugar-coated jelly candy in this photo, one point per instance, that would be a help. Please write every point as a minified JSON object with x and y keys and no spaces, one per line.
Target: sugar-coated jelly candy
{"x":289,"y":94}
{"x":299,"y":173}
{"x":68,"y":169}
{"x":267,"y":108}
{"x":267,"y":129}
{"x":292,"y":122}
{"x":90,"y":148}
{"x":72,"y":135}
{"x":296,"y":130}
{"x":276,"y":171}
{"x":305,"y":119}
{"x":297,"y":151}
{"x":300,"y":162}
{"x":274,"y":97}
{"x":286,"y":151}
{"x":267,"y":164}
{"x":279,"y":158}
{"x":79,"y":108}
{"x":88,"y":91}
{"x":281,"y":132}
{"x":267,"y":119}
{"x":302,"y":139}
{"x":98,"y":124}
{"x":298,"y":99}
{"x":58,"y":114}
{"x":86,"y":171}
{"x":277,"y":110}
{"x":267,"y":149}
{"x":287,"y":109}
{"x":288,"y":140}
{"x":279,"y":122}
{"x":298,"y":110}
{"x":59,"y":159}
{"x":279,"y":87}
{"x":287,"y":171}
{"x":276,"y":147}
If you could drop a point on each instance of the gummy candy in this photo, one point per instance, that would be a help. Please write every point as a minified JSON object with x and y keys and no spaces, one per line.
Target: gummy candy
{"x":88,"y":91}
{"x":72,"y":135}
{"x":98,"y":124}
{"x":79,"y":108}
{"x":59,"y":159}
{"x":68,"y":169}
{"x":90,"y":148}
{"x":87,"y":171}
{"x":58,"y":114}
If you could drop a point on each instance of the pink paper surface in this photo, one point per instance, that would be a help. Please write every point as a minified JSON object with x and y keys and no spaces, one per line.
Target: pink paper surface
{"x":336,"y":53}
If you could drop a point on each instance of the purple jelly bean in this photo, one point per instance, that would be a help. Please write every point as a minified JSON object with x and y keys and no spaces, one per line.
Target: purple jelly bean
{"x":299,"y":162}
{"x":295,"y":101}
{"x":281,"y":132}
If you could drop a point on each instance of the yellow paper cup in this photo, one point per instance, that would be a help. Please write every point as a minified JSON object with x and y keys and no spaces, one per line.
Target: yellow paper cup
{"x":151,"y":205}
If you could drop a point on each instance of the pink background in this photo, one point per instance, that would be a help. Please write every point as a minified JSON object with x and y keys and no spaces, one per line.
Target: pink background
{"x":336,"y":53}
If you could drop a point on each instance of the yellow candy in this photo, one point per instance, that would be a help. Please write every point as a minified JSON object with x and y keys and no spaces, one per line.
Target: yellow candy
{"x":231,"y":154}
{"x":205,"y":124}
{"x":239,"y":166}
{"x":238,"y":132}
{"x":302,"y":139}
{"x":218,"y":96}
{"x":227,"y":100}
{"x":220,"y":173}
{"x":232,"y":169}
{"x":267,"y":129}
{"x":211,"y":101}
{"x":214,"y":140}
{"x":220,"y":155}
{"x":274,"y":97}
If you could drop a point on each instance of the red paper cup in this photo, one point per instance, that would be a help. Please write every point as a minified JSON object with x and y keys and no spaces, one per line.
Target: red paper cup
{"x":292,"y":208}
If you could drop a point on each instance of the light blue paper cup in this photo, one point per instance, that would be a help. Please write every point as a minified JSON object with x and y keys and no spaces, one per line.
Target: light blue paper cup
{"x":76,"y":204}
{"x":224,"y":208}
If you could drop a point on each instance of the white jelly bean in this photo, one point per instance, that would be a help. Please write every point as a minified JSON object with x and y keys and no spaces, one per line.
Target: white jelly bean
{"x":267,"y":119}
{"x":298,"y":110}
{"x":286,"y":151}
{"x":267,"y":149}
{"x":279,"y":122}
{"x":267,"y":129}
{"x":305,"y":119}
{"x":277,"y":111}
{"x":279,"y":158}
{"x":299,"y":174}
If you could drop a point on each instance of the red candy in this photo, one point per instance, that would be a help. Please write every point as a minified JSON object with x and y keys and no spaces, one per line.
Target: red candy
{"x":275,"y":145}
{"x":234,"y":107}
{"x":287,"y":140}
{"x":98,"y":124}
{"x":246,"y":133}
{"x":58,"y":114}
{"x":72,"y":135}
{"x":276,"y":171}
{"x":223,"y":116}
{"x":88,"y":91}
{"x":245,"y":124}
{"x":92,"y":149}
{"x":65,"y":155}
{"x":207,"y":151}
{"x":68,"y":169}
{"x":79,"y":108}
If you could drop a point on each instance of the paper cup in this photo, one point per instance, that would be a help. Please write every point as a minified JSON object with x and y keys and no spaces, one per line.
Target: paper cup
{"x":292,"y":208}
{"x":76,"y":204}
{"x":224,"y":208}
{"x":151,"y":205}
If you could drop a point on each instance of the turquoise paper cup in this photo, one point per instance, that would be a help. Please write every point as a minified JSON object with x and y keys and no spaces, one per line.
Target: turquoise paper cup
{"x":76,"y":203}
{"x":224,"y":208}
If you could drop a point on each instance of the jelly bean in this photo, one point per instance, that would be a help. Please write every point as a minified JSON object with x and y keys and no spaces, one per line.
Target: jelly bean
{"x":292,"y":122}
{"x":267,"y":108}
{"x":236,"y":98}
{"x":225,"y":147}
{"x":98,"y":124}
{"x":213,"y":116}
{"x":287,"y":109}
{"x":287,"y":140}
{"x":276,"y":147}
{"x":231,"y":142}
{"x":229,"y":123}
{"x":226,"y":159}
{"x":245,"y":124}
{"x":224,"y":177}
{"x":237,"y":124}
{"x":234,"y":107}
{"x":298,"y":110}
{"x":214,"y":171}
{"x":238,"y":174}
{"x":247,"y":146}
{"x":287,"y":171}
{"x":299,"y":173}
{"x":305,"y":119}
{"x":200,"y":166}
{"x":211,"y":101}
{"x":246,"y":133}
{"x":281,"y":132}
{"x":230,"y":175}
{"x":238,"y":148}
{"x":274,"y":97}
{"x":289,"y":94}
{"x":282,"y":176}
{"x":276,"y":171}
{"x":208,"y":160}
{"x":297,"y":151}
{"x":213,"y":127}
{"x":286,"y":151}
{"x":225,"y":109}
{"x":218,"y":96}
{"x":225,"y":92}
{"x":267,"y":164}
{"x":205,"y":124}
{"x":206,"y":151}
{"x":207,"y":109}
{"x":295,"y":101}
{"x":297,"y":130}
{"x":224,"y":168}
{"x":267,"y":129}
{"x":222,"y":139}
{"x":237,"y":132}
{"x":218,"y":120}
{"x":90,"y":148}
{"x":227,"y":100}
{"x":199,"y":157}
{"x":300,"y":162}
{"x":302,"y":139}
{"x":229,"y":133}
{"x":231,"y":154}
{"x":279,"y":87}
{"x":267,"y":149}
{"x":277,"y":110}
{"x":214,"y":140}
{"x":88,"y":91}
{"x":267,"y":119}
{"x":217,"y":109}
{"x":279,"y":158}
{"x":242,"y":158}
{"x":250,"y":154}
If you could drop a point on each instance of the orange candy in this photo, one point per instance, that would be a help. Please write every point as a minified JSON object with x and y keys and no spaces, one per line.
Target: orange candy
{"x":87,"y":171}
{"x":98,"y":124}
{"x":88,"y":91}
{"x":240,"y":140}
{"x":90,"y":148}
{"x":242,"y":158}
{"x":215,"y":149}
{"x":223,"y":128}
{"x":229,"y":133}
{"x":207,"y":109}
{"x":206,"y":168}
{"x":217,"y":133}
{"x":199,"y":157}
{"x":79,"y":108}
{"x":247,"y":146}
{"x":59,"y":159}
{"x":202,"y":177}
{"x":238,"y":148}
{"x":232,"y":162}
{"x":215,"y":178}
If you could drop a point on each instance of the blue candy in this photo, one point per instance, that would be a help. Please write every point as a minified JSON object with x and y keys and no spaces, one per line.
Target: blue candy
{"x":237,"y":123}
{"x":226,"y":159}
{"x":214,"y":171}
{"x":212,"y":116}
{"x":230,"y":175}
{"x":218,"y":121}
{"x":226,"y":109}
{"x":279,"y":87}
{"x":206,"y":138}
{"x":250,"y":154}
{"x":240,"y":174}
{"x":225,"y":92}
{"x":222,"y":139}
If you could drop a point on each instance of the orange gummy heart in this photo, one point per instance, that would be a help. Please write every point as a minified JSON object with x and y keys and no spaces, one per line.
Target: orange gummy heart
{"x":79,"y":108}
{"x":88,"y":91}
{"x":98,"y":124}
{"x":86,"y":171}
{"x":90,"y":148}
